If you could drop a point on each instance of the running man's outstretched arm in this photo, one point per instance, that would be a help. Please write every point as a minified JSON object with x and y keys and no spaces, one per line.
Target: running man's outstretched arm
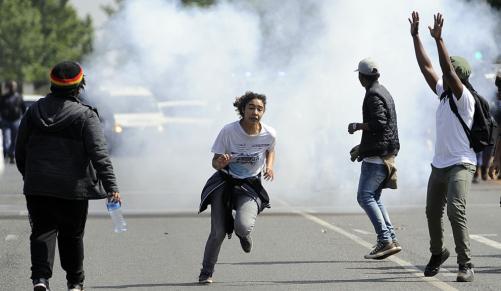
{"x":449,"y":75}
{"x":496,"y":161}
{"x":270,"y":159}
{"x":423,"y":60}
{"x":220,"y":161}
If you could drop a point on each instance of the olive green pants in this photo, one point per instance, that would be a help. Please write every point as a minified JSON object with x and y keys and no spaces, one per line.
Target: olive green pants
{"x":449,"y":186}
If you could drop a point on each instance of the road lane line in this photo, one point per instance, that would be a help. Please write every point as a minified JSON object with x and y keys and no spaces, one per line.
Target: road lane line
{"x":361,"y":231}
{"x":11,"y":237}
{"x":406,"y":265}
{"x":484,"y":240}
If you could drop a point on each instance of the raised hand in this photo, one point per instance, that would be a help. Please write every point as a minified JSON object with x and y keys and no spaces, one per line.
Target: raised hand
{"x":436,"y":31}
{"x":414,"y":23}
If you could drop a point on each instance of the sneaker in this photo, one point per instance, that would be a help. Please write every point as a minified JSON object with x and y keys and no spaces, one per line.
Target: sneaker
{"x":465,"y":273}
{"x":246,"y":243}
{"x":435,"y":262}
{"x":41,"y":285}
{"x":397,"y":245}
{"x":204,"y":277}
{"x":382,"y":250}
{"x":75,"y":287}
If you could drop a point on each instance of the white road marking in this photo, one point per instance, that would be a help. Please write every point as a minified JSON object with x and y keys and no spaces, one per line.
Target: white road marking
{"x":407,"y":266}
{"x":361,"y":231}
{"x":11,"y":237}
{"x":484,"y":240}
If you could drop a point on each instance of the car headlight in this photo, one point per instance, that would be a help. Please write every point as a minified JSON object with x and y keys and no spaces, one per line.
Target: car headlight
{"x":117,"y":128}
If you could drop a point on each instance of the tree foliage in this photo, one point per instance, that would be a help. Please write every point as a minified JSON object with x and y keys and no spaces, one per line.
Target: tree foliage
{"x":20,"y":39}
{"x":111,"y":9}
{"x":36,"y":34}
{"x":202,"y":3}
{"x":495,"y":3}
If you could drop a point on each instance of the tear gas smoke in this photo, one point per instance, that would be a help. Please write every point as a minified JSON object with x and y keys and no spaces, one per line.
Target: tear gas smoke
{"x":302,"y":55}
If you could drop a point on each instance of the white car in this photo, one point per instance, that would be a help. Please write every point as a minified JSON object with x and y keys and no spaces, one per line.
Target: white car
{"x":31,"y":98}
{"x":185,"y":112}
{"x":131,"y":118}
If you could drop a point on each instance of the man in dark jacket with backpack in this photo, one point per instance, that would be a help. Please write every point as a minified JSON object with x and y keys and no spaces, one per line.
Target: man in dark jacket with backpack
{"x":12,"y":109}
{"x":454,"y":160}
{"x":61,"y":153}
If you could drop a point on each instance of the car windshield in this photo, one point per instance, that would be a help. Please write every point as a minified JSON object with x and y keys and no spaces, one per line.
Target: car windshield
{"x":134,"y":104}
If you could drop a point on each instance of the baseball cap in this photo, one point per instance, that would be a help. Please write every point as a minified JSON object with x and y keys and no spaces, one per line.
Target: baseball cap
{"x":368,"y":67}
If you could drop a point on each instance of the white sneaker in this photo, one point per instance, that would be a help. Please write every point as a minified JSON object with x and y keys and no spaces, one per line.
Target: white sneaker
{"x":41,"y":285}
{"x":76,"y":287}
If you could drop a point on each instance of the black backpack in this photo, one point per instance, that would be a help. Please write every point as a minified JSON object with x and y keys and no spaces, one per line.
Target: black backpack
{"x":481,"y":133}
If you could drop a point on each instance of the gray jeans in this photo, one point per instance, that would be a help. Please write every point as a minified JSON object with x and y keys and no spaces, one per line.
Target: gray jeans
{"x":246,"y":210}
{"x":449,"y":186}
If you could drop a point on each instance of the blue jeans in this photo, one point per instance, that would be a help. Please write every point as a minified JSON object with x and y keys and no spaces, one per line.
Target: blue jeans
{"x":370,"y":185}
{"x":9,"y":135}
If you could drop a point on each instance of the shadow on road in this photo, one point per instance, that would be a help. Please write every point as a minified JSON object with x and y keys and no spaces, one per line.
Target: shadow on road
{"x":294,"y":262}
{"x":148,"y":285}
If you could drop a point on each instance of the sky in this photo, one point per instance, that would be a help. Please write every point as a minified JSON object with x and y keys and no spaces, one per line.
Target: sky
{"x":92,"y":7}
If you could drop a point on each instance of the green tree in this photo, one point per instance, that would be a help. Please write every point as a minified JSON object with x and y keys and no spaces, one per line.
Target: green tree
{"x":495,"y":3}
{"x":111,"y":9}
{"x":20,"y":39}
{"x":65,"y":36}
{"x":199,"y":2}
{"x":36,"y":34}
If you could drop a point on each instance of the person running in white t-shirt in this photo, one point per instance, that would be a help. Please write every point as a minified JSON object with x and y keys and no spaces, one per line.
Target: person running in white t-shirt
{"x":243,"y":150}
{"x":454,"y":161}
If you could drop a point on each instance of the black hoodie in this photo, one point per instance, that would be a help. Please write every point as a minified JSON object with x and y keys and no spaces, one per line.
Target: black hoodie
{"x":61,"y":151}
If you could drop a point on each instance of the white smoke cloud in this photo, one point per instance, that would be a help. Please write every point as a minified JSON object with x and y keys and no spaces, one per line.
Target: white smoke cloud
{"x":301,"y":54}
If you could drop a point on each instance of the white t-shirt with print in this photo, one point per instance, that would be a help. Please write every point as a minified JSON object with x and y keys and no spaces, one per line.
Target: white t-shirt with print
{"x":452,"y":146}
{"x":248,"y":152}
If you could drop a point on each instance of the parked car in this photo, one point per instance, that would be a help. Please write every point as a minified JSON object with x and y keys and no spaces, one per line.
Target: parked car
{"x":30,"y":99}
{"x":185,"y":112}
{"x":131,"y":118}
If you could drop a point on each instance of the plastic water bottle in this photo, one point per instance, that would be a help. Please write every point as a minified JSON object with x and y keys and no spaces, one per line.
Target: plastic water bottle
{"x":115,"y":211}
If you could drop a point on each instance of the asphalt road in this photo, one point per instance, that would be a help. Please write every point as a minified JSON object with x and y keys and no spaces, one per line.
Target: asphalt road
{"x":294,"y":249}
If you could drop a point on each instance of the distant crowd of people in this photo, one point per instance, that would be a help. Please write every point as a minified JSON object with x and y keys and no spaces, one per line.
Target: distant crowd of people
{"x":62,"y":155}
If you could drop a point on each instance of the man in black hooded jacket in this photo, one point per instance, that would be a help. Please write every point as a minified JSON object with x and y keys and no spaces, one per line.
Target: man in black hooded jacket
{"x":61,"y":153}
